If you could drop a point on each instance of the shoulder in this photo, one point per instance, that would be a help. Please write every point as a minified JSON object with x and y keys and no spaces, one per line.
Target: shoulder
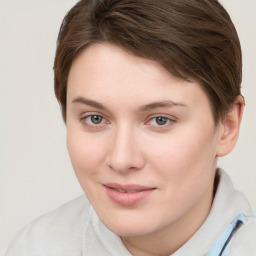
{"x":244,"y":242}
{"x":56,"y":233}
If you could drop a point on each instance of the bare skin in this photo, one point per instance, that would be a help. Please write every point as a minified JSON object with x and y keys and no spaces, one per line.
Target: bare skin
{"x":129,"y":121}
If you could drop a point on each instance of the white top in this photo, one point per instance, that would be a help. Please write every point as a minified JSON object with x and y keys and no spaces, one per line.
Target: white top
{"x":75,"y":230}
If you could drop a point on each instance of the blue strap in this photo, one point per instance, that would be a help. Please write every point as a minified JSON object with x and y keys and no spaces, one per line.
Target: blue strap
{"x":222,"y":245}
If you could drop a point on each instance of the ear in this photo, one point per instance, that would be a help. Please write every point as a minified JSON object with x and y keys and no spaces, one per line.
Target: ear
{"x":229,"y":128}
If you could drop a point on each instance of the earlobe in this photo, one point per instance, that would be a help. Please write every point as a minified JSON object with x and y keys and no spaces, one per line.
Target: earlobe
{"x":230,"y":128}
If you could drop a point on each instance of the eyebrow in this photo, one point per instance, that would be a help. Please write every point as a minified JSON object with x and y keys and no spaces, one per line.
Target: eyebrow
{"x":150,"y":106}
{"x":162,"y":104}
{"x":88,"y":102}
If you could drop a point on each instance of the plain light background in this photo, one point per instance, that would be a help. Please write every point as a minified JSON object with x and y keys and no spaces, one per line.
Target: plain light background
{"x":35,"y":172}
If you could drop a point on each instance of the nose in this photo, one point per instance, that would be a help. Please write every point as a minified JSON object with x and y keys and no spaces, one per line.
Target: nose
{"x":125,"y":153}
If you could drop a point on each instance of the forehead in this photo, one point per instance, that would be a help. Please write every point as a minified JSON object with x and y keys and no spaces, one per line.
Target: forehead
{"x":112,"y":58}
{"x":107,"y":72}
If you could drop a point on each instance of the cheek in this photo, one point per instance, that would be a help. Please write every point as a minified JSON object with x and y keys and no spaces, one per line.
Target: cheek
{"x":180,"y":154}
{"x":85,"y":153}
{"x":186,"y":166}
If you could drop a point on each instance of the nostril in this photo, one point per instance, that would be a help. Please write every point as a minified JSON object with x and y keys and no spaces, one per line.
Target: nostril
{"x":126,"y":162}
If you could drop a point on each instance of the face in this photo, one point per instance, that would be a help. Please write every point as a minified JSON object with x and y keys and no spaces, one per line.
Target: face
{"x":142,"y":142}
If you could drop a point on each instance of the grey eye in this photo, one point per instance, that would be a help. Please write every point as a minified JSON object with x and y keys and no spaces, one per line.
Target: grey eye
{"x":95,"y":119}
{"x":160,"y":120}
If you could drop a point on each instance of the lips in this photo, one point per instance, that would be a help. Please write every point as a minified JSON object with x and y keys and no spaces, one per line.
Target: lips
{"x":127,"y":195}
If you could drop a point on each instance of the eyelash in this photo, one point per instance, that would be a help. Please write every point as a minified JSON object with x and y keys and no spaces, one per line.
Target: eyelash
{"x":84,"y":121}
{"x":169,"y":121}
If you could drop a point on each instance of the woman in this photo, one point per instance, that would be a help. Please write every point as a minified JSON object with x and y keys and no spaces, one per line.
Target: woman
{"x":150,"y":93}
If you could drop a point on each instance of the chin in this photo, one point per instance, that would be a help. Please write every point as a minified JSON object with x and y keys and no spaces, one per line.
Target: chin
{"x":128,"y":231}
{"x":130,"y":226}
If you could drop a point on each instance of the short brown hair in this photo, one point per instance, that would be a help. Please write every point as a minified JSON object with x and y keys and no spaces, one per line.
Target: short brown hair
{"x":192,"y":39}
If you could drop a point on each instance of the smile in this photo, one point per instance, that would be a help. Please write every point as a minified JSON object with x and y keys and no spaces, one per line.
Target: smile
{"x":127,"y":195}
{"x":127,"y":191}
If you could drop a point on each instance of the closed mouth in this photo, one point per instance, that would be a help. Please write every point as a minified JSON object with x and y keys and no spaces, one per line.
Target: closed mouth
{"x":127,"y":195}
